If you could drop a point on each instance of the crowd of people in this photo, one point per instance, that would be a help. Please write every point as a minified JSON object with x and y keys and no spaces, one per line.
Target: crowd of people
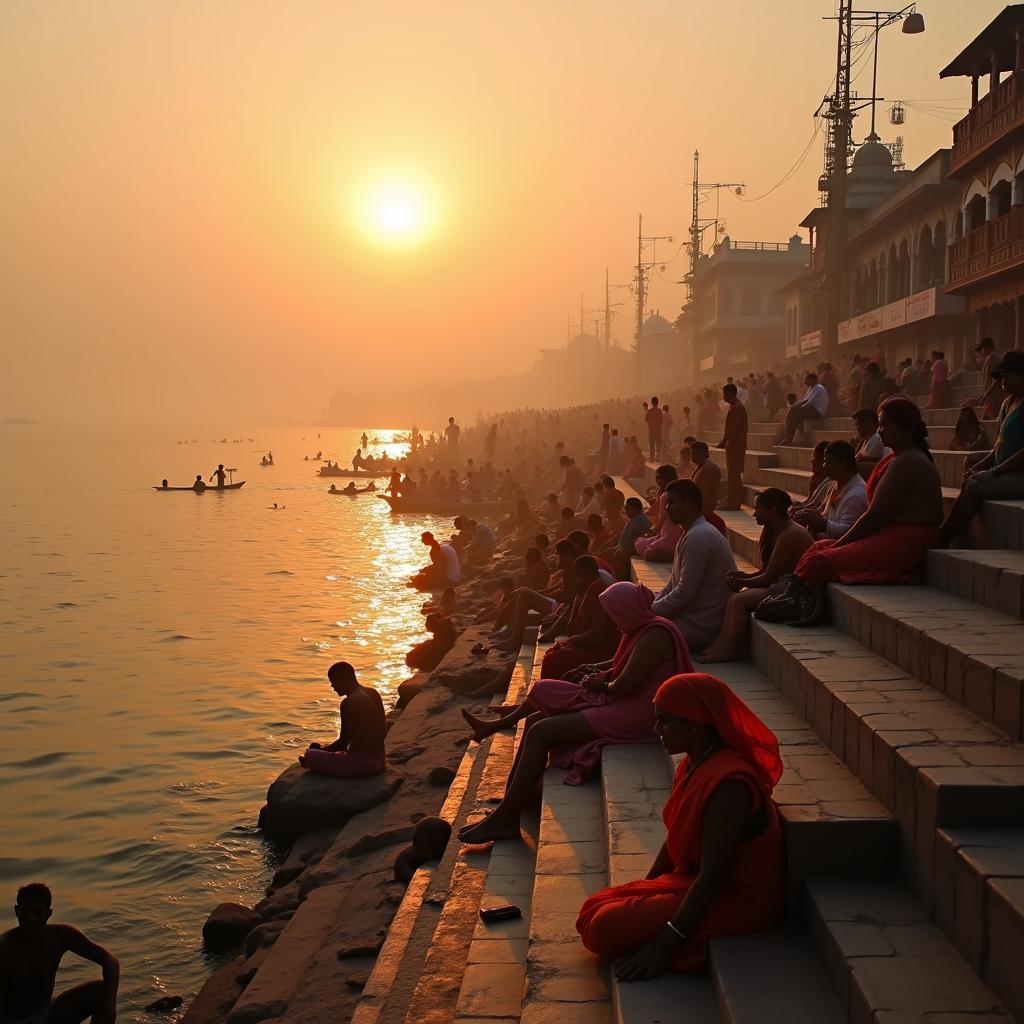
{"x":619,"y":659}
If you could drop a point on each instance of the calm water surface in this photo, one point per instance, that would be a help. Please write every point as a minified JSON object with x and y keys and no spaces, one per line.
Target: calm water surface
{"x":162,"y":659}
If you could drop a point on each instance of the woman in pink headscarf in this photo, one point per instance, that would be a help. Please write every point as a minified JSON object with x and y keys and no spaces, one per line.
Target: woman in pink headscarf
{"x":571,"y":720}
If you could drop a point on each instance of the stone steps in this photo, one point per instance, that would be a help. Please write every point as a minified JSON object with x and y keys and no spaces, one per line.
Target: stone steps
{"x":420,"y":970}
{"x":887,"y":962}
{"x":994,"y":579}
{"x":980,"y":905}
{"x":929,"y":761}
{"x":970,"y":653}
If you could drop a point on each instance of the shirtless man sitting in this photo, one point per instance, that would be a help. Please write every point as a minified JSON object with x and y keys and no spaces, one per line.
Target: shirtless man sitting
{"x":358,"y":751}
{"x":30,"y":955}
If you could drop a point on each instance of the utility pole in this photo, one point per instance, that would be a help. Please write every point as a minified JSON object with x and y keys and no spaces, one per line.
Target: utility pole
{"x":608,"y":307}
{"x":701,"y":190}
{"x":643,"y":268}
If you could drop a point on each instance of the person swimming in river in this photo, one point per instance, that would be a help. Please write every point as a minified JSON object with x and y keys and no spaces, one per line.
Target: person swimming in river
{"x":358,"y":752}
{"x":30,"y":955}
{"x":220,"y":474}
{"x":199,"y":486}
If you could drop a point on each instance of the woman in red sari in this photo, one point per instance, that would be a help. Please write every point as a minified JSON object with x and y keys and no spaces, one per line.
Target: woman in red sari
{"x":720,"y":869}
{"x":570,"y":721}
{"x":592,"y":635}
{"x":888,"y":543}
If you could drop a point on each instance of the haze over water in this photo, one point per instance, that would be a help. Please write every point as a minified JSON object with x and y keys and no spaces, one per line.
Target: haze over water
{"x":162,"y":659}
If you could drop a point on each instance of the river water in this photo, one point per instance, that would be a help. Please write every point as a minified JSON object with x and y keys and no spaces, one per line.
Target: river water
{"x":163,"y":658}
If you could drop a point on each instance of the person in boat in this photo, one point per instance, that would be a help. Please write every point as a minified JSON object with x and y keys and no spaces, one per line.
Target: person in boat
{"x":333,"y":489}
{"x":220,"y":474}
{"x":569,"y":721}
{"x":720,"y":870}
{"x":371,"y":486}
{"x":888,"y":542}
{"x":164,"y":484}
{"x":364,"y":440}
{"x":358,"y":752}
{"x":357,"y":460}
{"x":350,"y":488}
{"x":199,"y":485}
{"x":394,"y":486}
{"x":781,"y":544}
{"x":30,"y":955}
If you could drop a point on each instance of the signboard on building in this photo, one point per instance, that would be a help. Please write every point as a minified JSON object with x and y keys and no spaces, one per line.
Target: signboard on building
{"x":708,"y":363}
{"x":921,"y":305}
{"x":792,"y":350}
{"x":918,"y":306}
{"x":810,"y":342}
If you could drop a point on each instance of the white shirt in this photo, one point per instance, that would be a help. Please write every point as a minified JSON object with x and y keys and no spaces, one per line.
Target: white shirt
{"x":742,"y":394}
{"x":872,"y":448}
{"x":695,"y":596}
{"x":817,"y":398}
{"x":846,"y":507}
{"x":451,"y":561}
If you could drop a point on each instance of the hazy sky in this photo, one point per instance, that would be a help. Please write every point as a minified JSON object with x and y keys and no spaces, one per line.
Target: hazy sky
{"x":179,"y":180}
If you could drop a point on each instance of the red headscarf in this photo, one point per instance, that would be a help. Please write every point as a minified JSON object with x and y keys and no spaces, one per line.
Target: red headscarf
{"x":702,"y":698}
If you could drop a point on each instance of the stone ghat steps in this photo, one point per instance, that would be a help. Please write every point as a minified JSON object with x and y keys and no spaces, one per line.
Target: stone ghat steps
{"x":420,"y":970}
{"x":939,"y":768}
{"x":969,"y":651}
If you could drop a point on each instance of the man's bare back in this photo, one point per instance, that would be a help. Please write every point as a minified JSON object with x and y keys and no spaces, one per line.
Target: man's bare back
{"x":362,"y":720}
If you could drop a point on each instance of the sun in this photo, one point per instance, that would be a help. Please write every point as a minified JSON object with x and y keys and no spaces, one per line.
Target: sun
{"x":396,"y":211}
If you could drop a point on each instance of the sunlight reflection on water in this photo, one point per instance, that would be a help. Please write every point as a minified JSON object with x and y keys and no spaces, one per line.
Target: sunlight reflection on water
{"x":163,"y":656}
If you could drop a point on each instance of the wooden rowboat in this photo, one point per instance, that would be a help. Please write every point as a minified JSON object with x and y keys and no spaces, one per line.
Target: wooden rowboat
{"x":226,"y":487}
{"x":416,"y":505}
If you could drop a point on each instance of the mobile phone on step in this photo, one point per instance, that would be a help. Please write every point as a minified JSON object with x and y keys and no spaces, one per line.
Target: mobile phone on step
{"x":506,"y":912}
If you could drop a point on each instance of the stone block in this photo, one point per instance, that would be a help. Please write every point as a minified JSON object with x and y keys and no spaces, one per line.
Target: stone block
{"x":1008,"y":699}
{"x":1005,"y":940}
{"x":492,"y":990}
{"x":979,"y":688}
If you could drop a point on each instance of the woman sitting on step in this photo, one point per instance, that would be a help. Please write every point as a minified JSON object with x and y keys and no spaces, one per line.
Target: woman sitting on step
{"x":570,"y":721}
{"x":888,"y":542}
{"x":720,"y":868}
{"x":781,"y":545}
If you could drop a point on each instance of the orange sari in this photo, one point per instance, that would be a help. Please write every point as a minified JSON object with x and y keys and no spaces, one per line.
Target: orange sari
{"x":616,"y":921}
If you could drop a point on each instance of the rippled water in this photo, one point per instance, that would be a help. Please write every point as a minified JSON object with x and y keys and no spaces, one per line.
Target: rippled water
{"x":162,"y":659}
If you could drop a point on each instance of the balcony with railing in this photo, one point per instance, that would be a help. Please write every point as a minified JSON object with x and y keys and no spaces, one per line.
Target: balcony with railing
{"x":992,"y":118}
{"x":995,"y":247}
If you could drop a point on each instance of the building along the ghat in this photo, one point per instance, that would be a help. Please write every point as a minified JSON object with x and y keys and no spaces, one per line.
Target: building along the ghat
{"x":986,"y":257}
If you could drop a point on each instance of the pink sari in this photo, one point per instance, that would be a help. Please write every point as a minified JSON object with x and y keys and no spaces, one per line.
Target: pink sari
{"x":627,"y":719}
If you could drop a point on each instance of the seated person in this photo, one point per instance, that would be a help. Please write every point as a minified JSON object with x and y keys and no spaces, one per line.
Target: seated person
{"x":511,"y":620}
{"x":867,"y":443}
{"x":592,"y":636}
{"x":695,"y":596}
{"x":637,"y":524}
{"x":599,"y":534}
{"x":580,"y":540}
{"x":662,"y":545}
{"x":813,"y":407}
{"x":482,"y":542}
{"x":999,"y":474}
{"x":443,"y":570}
{"x":846,"y":501}
{"x":571,"y":721}
{"x":427,"y":654}
{"x":349,"y":488}
{"x":781,"y":545}
{"x":720,"y":870}
{"x":968,"y":434}
{"x":567,"y":522}
{"x":537,"y":575}
{"x":819,"y":486}
{"x":707,"y":475}
{"x":590,"y":502}
{"x":30,"y":955}
{"x":887,"y":544}
{"x":446,"y":606}
{"x":359,"y":749}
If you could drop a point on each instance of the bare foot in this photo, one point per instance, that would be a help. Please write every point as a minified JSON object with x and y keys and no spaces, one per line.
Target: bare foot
{"x":488,"y":831}
{"x":481,"y":729}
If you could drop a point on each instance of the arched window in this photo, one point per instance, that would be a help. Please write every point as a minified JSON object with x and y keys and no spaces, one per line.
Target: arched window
{"x":940,"y":242}
{"x":903,"y":277}
{"x":974,"y":214}
{"x":750,"y":301}
{"x":892,"y":274}
{"x":999,"y":197}
{"x":958,"y":226}
{"x":925,"y":259}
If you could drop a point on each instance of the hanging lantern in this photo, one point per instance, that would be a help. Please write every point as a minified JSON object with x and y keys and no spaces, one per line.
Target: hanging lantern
{"x":897,"y":114}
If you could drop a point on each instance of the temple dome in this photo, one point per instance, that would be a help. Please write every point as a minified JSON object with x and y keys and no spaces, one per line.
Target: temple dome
{"x":656,"y":325}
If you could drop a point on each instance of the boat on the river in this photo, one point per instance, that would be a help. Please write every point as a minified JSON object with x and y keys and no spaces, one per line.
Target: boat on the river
{"x":357,"y":474}
{"x":209,"y":487}
{"x":442,"y":507}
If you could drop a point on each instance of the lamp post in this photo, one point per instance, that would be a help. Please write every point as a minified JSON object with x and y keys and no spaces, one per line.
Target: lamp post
{"x":842,"y":117}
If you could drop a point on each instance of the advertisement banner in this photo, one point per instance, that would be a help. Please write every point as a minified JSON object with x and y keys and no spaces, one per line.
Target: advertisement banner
{"x":809,"y":342}
{"x":921,"y":305}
